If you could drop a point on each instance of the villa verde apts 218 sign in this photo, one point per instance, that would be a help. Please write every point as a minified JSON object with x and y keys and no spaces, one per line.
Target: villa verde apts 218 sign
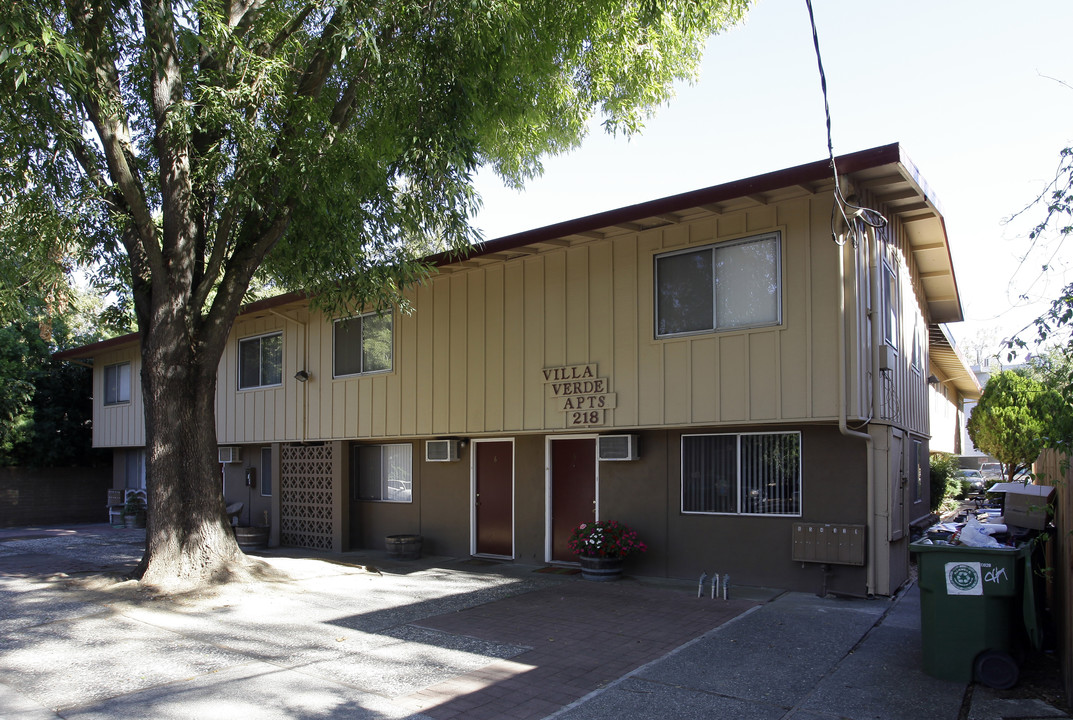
{"x":580,"y":393}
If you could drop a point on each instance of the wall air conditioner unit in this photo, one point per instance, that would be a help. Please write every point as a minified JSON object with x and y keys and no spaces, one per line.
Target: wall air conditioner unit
{"x":230,"y":454}
{"x":616,"y":447}
{"x":441,"y":450}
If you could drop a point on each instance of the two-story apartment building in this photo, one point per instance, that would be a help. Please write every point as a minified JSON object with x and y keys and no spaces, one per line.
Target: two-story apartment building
{"x":718,"y":369}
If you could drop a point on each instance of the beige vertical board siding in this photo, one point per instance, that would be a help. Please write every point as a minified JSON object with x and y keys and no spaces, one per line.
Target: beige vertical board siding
{"x":733,"y":378}
{"x":795,"y":366}
{"x":321,"y":359}
{"x":478,"y":346}
{"x":555,"y":330}
{"x":225,"y":396}
{"x":492,"y":382}
{"x":406,"y":377}
{"x":732,"y":226}
{"x":704,"y":364}
{"x":764,"y":379}
{"x":906,"y":389}
{"x":515,"y":336}
{"x":578,"y":280}
{"x":629,"y":333}
{"x":118,"y":425}
{"x":346,"y":422}
{"x":441,"y":355}
{"x":649,"y":351}
{"x":425,"y":316}
{"x":392,"y":386}
{"x":470,"y":358}
{"x":859,"y":354}
{"x":254,"y":410}
{"x":602,"y":310}
{"x":821,"y":343}
{"x":534,"y":357}
{"x":379,"y":395}
{"x":677,"y":406}
{"x":459,"y":355}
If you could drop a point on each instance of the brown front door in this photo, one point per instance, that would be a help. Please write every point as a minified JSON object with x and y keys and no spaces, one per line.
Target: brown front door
{"x":493,"y":500}
{"x":573,"y":491}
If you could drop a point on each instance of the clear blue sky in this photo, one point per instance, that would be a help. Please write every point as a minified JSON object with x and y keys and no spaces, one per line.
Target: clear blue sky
{"x":963,"y":86}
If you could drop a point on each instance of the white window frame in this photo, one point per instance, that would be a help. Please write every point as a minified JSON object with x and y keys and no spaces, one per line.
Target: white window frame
{"x":261,"y":384}
{"x":917,"y":362}
{"x":738,"y":482}
{"x":714,"y":248}
{"x":385,"y":472}
{"x":266,"y":471}
{"x":120,"y":385}
{"x":918,"y":471}
{"x":336,"y":329}
{"x":891,"y":304}
{"x":134,"y":460}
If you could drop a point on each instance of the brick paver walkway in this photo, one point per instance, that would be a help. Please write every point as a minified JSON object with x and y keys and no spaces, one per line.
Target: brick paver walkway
{"x":581,"y":636}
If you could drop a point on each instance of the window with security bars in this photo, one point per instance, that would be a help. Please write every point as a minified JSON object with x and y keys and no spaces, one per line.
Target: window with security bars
{"x":742,"y":474}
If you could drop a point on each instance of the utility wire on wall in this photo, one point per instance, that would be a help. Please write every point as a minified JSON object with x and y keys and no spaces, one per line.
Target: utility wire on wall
{"x":851,"y":214}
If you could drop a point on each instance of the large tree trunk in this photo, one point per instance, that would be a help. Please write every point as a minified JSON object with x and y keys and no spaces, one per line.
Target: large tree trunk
{"x":188,"y":539}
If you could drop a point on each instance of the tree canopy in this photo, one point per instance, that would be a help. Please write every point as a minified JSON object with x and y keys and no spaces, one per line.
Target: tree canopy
{"x":1016,"y":418}
{"x":312,"y":140}
{"x":185,"y":149}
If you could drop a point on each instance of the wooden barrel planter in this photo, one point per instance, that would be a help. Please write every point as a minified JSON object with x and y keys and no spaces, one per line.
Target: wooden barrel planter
{"x":251,"y":538}
{"x":600,"y":569}
{"x":403,"y":547}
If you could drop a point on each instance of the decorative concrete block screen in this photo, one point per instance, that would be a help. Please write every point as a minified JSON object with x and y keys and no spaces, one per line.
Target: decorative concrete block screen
{"x":305,"y":496}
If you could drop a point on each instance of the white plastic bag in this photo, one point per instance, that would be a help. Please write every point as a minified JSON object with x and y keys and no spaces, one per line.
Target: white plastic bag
{"x":973,"y":534}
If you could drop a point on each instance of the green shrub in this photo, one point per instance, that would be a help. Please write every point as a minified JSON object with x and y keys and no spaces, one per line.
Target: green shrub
{"x":945,"y":480}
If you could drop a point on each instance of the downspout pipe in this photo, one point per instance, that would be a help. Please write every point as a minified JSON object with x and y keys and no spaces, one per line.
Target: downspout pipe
{"x":843,"y":427}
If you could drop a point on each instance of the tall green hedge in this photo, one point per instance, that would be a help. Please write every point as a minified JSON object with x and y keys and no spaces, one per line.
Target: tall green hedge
{"x":944,"y":478}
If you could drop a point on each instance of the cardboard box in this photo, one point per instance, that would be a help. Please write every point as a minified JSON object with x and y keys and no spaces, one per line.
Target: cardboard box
{"x":1025,"y":505}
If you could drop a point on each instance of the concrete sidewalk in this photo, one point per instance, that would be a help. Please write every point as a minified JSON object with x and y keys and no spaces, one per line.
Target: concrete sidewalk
{"x":358,"y":636}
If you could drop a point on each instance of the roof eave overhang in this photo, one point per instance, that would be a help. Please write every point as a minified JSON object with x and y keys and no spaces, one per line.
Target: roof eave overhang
{"x":943,"y":353}
{"x":884,"y":172}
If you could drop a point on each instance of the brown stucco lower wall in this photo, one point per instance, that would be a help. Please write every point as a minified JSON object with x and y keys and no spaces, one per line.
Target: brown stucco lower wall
{"x":753,"y":550}
{"x":646,"y":493}
{"x":36,"y":496}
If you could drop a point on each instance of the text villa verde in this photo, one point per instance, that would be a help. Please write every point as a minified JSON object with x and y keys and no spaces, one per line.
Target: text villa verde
{"x":581,"y":394}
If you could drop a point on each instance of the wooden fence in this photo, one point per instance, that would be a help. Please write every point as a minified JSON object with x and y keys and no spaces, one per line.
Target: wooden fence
{"x":53,"y":496}
{"x":1057,"y":470}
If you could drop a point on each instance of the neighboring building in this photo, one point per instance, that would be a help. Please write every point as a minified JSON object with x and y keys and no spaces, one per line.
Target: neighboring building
{"x":955,"y":388}
{"x":710,"y":368}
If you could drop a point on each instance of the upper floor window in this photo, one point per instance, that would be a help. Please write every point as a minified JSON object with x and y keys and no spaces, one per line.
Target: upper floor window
{"x":890,"y":305}
{"x":724,"y":286}
{"x":918,"y":347}
{"x":363,"y":344}
{"x":260,"y":361}
{"x":117,"y":383}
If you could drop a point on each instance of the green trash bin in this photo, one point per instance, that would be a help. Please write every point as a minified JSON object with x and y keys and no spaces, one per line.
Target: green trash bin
{"x":972,"y":611}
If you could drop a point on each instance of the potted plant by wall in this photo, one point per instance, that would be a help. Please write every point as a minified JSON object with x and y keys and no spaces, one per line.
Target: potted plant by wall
{"x":601,"y":547}
{"x":134,"y":512}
